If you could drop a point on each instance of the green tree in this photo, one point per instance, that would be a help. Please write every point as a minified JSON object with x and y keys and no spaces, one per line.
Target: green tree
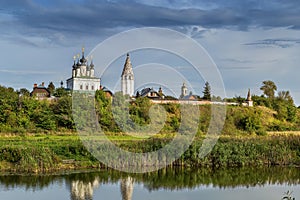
{"x":60,"y":92}
{"x":269,"y":88}
{"x":284,"y":105}
{"x":120,"y":110}
{"x":251,"y":122}
{"x":24,"y":92}
{"x":285,"y":96}
{"x":207,"y":92}
{"x":44,"y":117}
{"x":62,"y":110}
{"x":261,"y":101}
{"x":104,"y":111}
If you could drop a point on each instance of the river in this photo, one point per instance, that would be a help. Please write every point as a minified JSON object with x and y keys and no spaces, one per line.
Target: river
{"x":169,"y":183}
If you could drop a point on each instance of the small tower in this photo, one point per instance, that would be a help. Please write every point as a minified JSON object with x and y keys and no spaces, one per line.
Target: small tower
{"x":83,"y":62}
{"x":183,"y":90}
{"x":249,"y":101}
{"x":74,"y":67}
{"x":127,"y":78}
{"x":160,"y":92}
{"x":92,"y":70}
{"x":78,"y":66}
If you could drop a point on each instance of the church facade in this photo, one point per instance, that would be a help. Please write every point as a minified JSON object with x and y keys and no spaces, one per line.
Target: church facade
{"x":83,"y":76}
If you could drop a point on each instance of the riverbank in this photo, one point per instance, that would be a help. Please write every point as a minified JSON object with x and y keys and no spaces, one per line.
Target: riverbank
{"x":49,"y":153}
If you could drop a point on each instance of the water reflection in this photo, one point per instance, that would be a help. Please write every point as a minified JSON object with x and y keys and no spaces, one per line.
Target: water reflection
{"x":83,"y":191}
{"x":126,"y":188}
{"x":82,"y":186}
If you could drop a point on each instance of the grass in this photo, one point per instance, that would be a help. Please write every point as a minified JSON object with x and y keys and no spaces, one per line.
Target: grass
{"x":42,"y":153}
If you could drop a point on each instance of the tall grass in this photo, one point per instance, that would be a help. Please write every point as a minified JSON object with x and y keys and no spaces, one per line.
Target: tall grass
{"x":47,"y":152}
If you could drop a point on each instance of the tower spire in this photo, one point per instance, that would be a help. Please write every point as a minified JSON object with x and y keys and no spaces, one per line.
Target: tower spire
{"x":83,"y":59}
{"x":249,"y":95}
{"x":127,"y":83}
{"x":127,"y":66}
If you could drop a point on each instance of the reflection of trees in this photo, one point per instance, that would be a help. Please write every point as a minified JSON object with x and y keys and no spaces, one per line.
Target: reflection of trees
{"x":126,"y":188}
{"x":81,"y":185}
{"x":83,"y":190}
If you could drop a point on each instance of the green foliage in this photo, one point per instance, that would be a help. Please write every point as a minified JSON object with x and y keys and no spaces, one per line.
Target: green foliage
{"x":47,"y":152}
{"x":23,"y":92}
{"x":269,"y":88}
{"x":20,"y":113}
{"x":60,"y":92}
{"x":62,"y":110}
{"x":139,"y":111}
{"x":104,"y":111}
{"x":207,"y":92}
{"x":44,"y":117}
{"x":251,"y":122}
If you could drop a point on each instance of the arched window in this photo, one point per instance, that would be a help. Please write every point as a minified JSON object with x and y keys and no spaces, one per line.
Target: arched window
{"x":81,"y":87}
{"x":87,"y":87}
{"x":92,"y":87}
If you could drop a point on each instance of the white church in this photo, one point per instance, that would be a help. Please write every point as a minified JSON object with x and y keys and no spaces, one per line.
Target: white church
{"x":84,"y":79}
{"x":83,"y":75}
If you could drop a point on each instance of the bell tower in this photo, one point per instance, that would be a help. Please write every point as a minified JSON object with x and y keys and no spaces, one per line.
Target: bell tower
{"x":127,"y":78}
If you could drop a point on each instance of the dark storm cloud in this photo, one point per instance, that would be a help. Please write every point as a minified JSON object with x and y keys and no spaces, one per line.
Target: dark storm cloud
{"x":92,"y":17}
{"x":282,"y":43}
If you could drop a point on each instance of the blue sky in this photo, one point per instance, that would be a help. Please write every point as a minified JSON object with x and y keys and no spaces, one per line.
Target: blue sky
{"x":250,"y":40}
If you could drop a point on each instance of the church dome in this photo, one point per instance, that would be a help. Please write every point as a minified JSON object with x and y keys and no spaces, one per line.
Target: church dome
{"x":74,"y":65}
{"x":83,"y":60}
{"x":92,"y":65}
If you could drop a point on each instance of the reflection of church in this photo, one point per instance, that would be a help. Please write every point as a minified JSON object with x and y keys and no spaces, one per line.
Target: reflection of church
{"x":83,"y":191}
{"x":127,"y":188}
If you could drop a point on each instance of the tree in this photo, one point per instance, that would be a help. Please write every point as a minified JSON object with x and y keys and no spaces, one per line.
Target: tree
{"x":60,"y":92}
{"x":269,"y":88}
{"x":62,"y":110}
{"x":284,"y":105}
{"x":285,"y":96}
{"x":24,"y":92}
{"x":51,"y":87}
{"x":207,"y":91}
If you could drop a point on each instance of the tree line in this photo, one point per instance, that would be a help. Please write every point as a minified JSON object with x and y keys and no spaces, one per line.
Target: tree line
{"x":20,"y":113}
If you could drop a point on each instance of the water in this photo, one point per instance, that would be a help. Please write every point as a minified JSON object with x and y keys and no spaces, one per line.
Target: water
{"x":174,"y":184}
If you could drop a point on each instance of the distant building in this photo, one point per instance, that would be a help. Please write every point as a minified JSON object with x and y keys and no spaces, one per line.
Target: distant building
{"x":127,"y":78}
{"x":40,"y":91}
{"x":83,"y":75}
{"x":183,"y":91}
{"x":107,"y":92}
{"x":151,"y":93}
{"x":185,"y":96}
{"x":249,"y":101}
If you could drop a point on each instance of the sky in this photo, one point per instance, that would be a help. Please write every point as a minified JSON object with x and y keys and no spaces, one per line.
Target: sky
{"x":250,"y":41}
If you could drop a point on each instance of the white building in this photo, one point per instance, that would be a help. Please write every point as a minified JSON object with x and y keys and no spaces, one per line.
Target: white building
{"x":183,"y":91}
{"x":83,"y":75}
{"x":249,"y":101}
{"x":127,"y":78}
